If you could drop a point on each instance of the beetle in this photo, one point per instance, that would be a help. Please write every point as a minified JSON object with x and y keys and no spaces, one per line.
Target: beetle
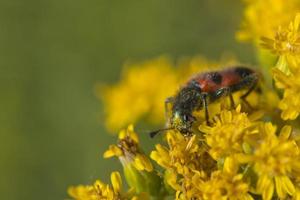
{"x":203,"y":89}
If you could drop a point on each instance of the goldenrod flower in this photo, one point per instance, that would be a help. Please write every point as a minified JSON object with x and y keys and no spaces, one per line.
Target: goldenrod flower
{"x":286,"y":45}
{"x":274,"y":160}
{"x":225,"y":184}
{"x":290,"y":102}
{"x":183,"y":154}
{"x":101,"y":191}
{"x":262,"y":17}
{"x":182,"y":159}
{"x":286,"y":40}
{"x":138,"y":169}
{"x":229,"y":133}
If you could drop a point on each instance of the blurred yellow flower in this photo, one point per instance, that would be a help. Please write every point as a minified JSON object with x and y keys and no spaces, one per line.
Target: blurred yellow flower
{"x":140,"y":93}
{"x":263,"y":17}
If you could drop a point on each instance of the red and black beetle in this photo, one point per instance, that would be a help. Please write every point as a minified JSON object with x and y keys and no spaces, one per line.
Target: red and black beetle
{"x":205,"y":88}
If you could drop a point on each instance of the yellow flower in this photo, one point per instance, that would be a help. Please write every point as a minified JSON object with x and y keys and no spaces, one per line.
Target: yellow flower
{"x":225,"y":184}
{"x":286,"y":40}
{"x":140,"y":93}
{"x":274,"y":160}
{"x":184,"y":154}
{"x":99,"y":190}
{"x":286,"y":45}
{"x":262,"y":17}
{"x":128,"y":151}
{"x":183,"y":159}
{"x":290,"y":102}
{"x":138,"y":169}
{"x":228,"y":134}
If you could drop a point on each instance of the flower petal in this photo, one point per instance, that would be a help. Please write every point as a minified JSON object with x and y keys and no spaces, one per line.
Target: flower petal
{"x":113,"y":150}
{"x":116,"y":181}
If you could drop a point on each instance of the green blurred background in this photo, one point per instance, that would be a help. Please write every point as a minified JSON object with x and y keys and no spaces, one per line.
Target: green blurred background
{"x":52,"y":52}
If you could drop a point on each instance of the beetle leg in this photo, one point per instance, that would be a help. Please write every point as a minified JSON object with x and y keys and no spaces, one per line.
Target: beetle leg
{"x":243,"y":98}
{"x":252,"y":87}
{"x":232,"y":104}
{"x":225,"y":91}
{"x":168,"y":101}
{"x":205,"y":105}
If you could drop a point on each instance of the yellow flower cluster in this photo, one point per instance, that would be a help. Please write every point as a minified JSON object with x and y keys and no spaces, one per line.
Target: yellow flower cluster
{"x":229,"y":134}
{"x":186,"y":162}
{"x":225,"y":184}
{"x":290,"y":102}
{"x":241,"y":150}
{"x":275,"y":160}
{"x":285,"y":44}
{"x":182,"y":159}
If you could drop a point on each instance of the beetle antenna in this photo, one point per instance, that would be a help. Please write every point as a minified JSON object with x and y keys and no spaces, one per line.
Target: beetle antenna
{"x":154,"y":133}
